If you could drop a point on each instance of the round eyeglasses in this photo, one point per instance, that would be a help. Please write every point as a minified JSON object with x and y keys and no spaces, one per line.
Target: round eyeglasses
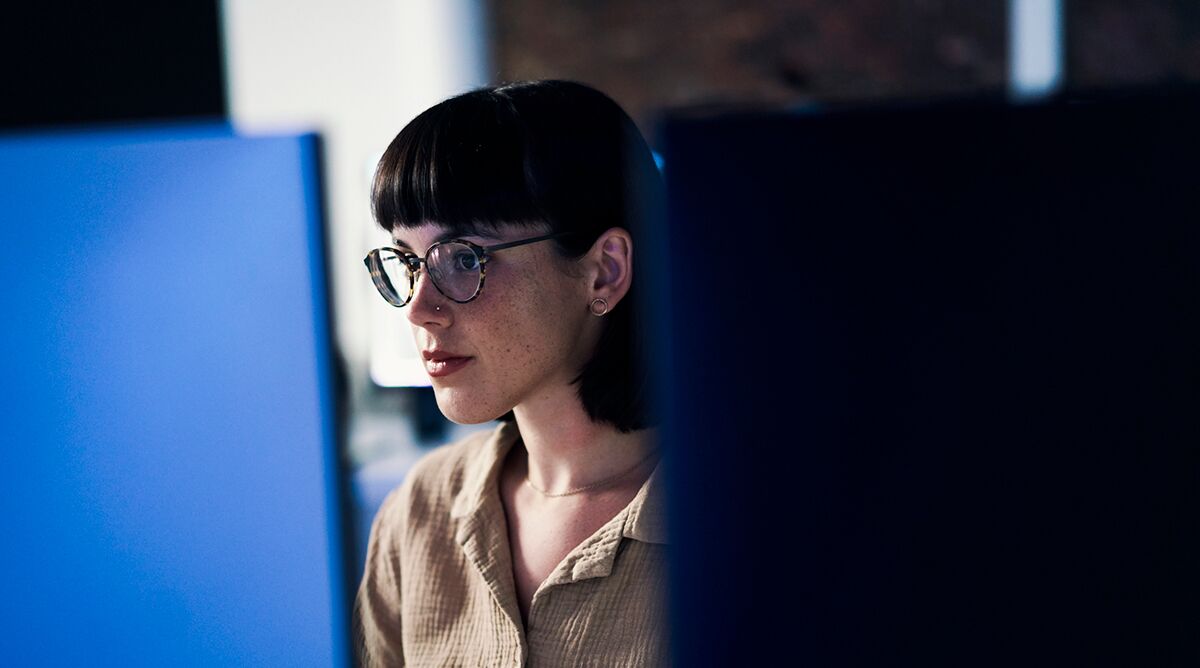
{"x":457,"y":268}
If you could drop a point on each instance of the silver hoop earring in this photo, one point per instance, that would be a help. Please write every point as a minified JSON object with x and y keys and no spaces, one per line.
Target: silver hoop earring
{"x":603,"y":306}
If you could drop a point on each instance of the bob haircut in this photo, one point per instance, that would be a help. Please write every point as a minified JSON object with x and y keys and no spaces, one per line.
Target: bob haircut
{"x":554,"y":156}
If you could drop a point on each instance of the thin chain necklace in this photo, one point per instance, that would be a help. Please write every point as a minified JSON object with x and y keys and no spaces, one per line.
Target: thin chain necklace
{"x":593,"y":485}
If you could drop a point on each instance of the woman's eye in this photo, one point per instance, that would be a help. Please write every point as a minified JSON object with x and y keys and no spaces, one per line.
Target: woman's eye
{"x":466,"y":261}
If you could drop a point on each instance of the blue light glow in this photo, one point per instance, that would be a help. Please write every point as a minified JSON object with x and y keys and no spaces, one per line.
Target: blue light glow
{"x":168,"y":453}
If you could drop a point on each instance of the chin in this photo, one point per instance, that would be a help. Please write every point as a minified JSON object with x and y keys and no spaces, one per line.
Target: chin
{"x":461,"y":409}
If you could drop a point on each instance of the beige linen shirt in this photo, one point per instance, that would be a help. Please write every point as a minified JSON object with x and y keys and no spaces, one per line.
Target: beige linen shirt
{"x":438,"y":587}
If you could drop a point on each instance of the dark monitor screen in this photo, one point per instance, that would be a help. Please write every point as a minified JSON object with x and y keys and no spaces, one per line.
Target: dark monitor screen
{"x":934,"y":383}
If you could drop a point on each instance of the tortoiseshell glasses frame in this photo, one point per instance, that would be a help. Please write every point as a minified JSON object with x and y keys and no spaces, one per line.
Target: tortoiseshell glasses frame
{"x":398,"y":296}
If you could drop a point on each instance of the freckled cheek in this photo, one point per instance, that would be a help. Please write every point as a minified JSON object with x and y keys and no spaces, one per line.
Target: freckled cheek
{"x":521,"y":335}
{"x":521,"y":320}
{"x":500,"y":326}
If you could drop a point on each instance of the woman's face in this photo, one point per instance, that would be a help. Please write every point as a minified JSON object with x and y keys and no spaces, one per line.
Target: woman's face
{"x":525,"y":337}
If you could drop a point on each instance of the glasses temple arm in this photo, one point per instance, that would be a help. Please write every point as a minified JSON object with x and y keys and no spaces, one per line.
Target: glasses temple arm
{"x":522,"y":242}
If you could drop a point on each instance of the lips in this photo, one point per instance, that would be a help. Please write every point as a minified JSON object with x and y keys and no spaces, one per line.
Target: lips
{"x":441,"y":363}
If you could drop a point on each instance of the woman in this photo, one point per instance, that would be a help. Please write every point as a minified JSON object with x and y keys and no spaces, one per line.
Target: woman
{"x":514,"y":212}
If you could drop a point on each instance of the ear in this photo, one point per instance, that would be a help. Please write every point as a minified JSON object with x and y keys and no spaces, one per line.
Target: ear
{"x":610,"y":266}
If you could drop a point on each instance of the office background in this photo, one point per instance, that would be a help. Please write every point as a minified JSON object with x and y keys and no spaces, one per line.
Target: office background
{"x":354,"y":73}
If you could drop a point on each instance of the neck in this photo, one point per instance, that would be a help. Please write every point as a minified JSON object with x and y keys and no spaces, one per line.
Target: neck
{"x":565,"y":450}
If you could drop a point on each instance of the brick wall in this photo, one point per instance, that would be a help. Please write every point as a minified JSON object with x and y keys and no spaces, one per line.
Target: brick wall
{"x":653,"y":54}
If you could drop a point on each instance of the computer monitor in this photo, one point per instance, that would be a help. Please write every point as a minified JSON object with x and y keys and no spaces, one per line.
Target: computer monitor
{"x":169,"y":477}
{"x":933,"y":382}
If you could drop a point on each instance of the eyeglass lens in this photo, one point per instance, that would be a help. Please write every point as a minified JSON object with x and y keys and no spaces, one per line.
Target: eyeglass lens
{"x":453,"y":267}
{"x":391,"y":276}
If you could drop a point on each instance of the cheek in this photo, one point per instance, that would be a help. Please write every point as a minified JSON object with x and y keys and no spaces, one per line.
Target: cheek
{"x":533,"y":322}
{"x":527,"y":337}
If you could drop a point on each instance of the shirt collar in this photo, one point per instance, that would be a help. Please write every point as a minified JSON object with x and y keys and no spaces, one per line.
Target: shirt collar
{"x":647,"y":520}
{"x":482,"y":470}
{"x":645,"y":517}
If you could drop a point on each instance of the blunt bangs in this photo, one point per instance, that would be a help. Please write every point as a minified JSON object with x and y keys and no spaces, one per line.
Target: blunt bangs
{"x":460,"y":164}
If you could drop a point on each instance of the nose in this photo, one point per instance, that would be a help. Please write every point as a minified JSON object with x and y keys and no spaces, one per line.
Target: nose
{"x":428,"y":306}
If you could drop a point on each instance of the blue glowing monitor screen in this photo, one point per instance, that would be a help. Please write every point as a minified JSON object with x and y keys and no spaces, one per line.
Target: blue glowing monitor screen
{"x":167,"y":446}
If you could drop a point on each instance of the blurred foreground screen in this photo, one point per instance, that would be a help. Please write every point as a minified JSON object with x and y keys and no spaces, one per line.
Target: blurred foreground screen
{"x":167,"y":459}
{"x":935,"y":384}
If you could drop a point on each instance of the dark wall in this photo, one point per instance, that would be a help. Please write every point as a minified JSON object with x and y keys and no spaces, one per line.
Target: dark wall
{"x":110,"y":61}
{"x":1150,"y":41}
{"x":657,"y":55}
